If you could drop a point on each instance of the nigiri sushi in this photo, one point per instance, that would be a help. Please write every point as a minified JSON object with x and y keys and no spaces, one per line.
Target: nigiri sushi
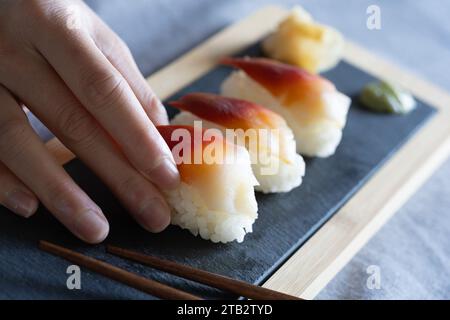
{"x":311,"y":105}
{"x":265,"y":134}
{"x":212,"y":200}
{"x":301,"y":41}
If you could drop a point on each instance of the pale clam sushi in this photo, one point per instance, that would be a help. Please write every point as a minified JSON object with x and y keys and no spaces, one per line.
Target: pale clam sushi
{"x":301,"y":41}
{"x":311,"y":105}
{"x":265,"y":134}
{"x":212,"y":200}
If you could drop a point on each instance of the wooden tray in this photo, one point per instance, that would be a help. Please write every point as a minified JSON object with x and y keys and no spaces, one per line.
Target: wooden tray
{"x":317,"y":257}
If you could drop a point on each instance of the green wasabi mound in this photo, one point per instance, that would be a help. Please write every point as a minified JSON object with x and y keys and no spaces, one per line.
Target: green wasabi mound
{"x":387,"y":97}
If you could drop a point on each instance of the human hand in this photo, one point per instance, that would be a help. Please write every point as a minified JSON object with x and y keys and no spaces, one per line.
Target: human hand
{"x":81,"y":81}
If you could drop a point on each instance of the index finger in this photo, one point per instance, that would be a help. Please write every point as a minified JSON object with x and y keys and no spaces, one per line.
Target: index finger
{"x":108,"y":97}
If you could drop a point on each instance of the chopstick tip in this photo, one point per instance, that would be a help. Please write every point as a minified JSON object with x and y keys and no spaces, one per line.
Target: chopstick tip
{"x":110,"y":248}
{"x":42,"y":244}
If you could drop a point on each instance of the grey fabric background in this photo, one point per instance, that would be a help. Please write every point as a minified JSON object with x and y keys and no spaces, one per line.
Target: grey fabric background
{"x":413,"y":249}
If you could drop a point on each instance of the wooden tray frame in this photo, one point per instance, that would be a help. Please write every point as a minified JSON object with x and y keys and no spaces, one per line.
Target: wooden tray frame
{"x":310,"y":268}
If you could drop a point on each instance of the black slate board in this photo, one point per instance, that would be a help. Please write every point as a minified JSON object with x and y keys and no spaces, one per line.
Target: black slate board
{"x":285,"y":221}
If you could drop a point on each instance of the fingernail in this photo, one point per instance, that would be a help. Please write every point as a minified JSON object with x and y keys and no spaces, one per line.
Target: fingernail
{"x":22,"y":203}
{"x":91,"y":226}
{"x":164,"y":118}
{"x":165,"y":174}
{"x":172,"y":172}
{"x":155,"y":217}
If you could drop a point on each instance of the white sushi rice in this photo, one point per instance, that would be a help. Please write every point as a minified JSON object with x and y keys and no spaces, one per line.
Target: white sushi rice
{"x":221,"y":208}
{"x":319,"y":138}
{"x":277,"y":174}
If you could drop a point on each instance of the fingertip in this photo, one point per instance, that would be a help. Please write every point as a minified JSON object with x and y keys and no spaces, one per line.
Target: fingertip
{"x":33,"y":209}
{"x":158,"y":113}
{"x":22,"y":203}
{"x":100,"y":237}
{"x":155,"y":217}
{"x":164,"y":173}
{"x":91,"y":226}
{"x":172,"y":174}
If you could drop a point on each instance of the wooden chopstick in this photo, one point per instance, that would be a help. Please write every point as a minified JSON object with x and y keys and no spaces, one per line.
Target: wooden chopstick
{"x":152,"y":287}
{"x":238,"y":287}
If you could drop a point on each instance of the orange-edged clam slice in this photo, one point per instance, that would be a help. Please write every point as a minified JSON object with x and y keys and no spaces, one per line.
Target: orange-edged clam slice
{"x":228,"y":112}
{"x":195,"y":166}
{"x":290,"y":84}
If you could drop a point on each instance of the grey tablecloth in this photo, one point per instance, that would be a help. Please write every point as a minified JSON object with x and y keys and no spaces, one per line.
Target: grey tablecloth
{"x":412,"y":251}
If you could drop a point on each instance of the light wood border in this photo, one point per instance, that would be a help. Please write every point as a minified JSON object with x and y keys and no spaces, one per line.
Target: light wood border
{"x":332,"y":246}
